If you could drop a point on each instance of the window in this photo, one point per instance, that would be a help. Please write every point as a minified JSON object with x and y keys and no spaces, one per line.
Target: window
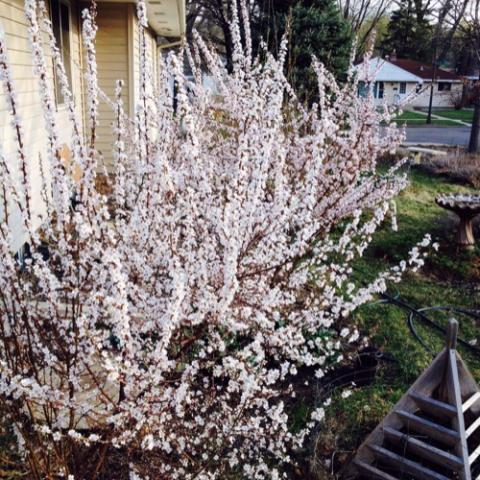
{"x":403,"y":87}
{"x":61,"y":30}
{"x":379,"y":90}
{"x":444,"y":86}
{"x":362,"y":89}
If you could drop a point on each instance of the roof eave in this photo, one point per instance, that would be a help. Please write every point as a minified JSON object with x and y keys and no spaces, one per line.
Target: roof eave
{"x":167,"y":17}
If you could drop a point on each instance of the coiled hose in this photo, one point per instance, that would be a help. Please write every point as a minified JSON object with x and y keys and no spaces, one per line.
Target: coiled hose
{"x":414,"y":313}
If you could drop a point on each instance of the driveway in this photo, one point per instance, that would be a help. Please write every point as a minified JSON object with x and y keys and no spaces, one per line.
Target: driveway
{"x":443,"y":135}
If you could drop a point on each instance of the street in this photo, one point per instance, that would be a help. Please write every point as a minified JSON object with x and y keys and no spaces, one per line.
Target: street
{"x":443,"y":135}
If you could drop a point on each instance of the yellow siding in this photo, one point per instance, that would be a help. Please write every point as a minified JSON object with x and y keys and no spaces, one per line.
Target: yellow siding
{"x":14,"y":24}
{"x":152,"y":52}
{"x":112,"y":65}
{"x":117,"y":49}
{"x":136,"y":58}
{"x":153,"y":59}
{"x":77,"y":60}
{"x":118,"y":57}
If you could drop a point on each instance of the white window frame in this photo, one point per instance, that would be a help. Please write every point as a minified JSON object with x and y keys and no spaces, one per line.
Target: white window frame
{"x":60,"y":103}
{"x":443,"y":83}
{"x":378,"y":88}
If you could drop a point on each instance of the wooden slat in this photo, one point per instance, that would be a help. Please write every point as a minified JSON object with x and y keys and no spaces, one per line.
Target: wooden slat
{"x":426,"y":384}
{"x":372,"y":472}
{"x":470,"y":401}
{"x":433,"y":430}
{"x":468,"y":384}
{"x":457,"y":392}
{"x":471,"y":429}
{"x":405,"y":465}
{"x":455,"y":397}
{"x":424,"y":450}
{"x":435,"y":407}
{"x":474,"y":455}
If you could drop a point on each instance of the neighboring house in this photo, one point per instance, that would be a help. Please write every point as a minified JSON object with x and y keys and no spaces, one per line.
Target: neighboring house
{"x":117,"y":47}
{"x":394,"y":79}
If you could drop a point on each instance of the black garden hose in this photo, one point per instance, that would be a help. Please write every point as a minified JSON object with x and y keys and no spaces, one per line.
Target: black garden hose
{"x":419,"y":313}
{"x":333,"y":382}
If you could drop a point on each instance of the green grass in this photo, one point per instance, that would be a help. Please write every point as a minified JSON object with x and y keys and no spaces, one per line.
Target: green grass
{"x":448,"y":278}
{"x":422,"y":122}
{"x":464,"y":115}
{"x":409,"y":115}
{"x":446,"y":123}
{"x":410,"y":119}
{"x":444,"y":280}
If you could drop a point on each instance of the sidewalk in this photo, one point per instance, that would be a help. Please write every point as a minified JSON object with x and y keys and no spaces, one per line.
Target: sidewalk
{"x":438,"y":117}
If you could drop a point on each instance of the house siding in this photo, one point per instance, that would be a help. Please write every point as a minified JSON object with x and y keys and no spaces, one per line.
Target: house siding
{"x":112,"y":64}
{"x":117,"y":48}
{"x":118,"y":58}
{"x":152,"y":59}
{"x":392,"y":74}
{"x":26,"y":85}
{"x":440,"y":99}
{"x":392,"y":95}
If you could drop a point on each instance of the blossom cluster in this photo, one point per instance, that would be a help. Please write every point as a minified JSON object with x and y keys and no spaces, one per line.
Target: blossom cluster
{"x":174,"y":314}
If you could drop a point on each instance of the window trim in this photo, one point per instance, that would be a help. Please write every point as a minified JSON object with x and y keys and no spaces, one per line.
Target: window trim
{"x":362,"y":89}
{"x":402,"y":91}
{"x":379,"y":88}
{"x":61,"y":105}
{"x":449,"y":89}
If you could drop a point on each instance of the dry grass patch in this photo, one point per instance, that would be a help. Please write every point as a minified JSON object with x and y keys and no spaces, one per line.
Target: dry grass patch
{"x":457,"y":165}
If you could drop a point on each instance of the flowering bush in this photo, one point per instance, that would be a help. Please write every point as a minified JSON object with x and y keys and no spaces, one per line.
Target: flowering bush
{"x":174,"y":315}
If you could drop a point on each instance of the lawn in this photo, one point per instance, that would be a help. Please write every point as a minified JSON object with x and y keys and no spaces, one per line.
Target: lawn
{"x":410,"y":116}
{"x":410,"y":119}
{"x":464,"y":115}
{"x":450,"y":277}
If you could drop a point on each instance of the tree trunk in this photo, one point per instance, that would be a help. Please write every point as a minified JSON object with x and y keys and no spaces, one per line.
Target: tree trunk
{"x":473,"y":145}
{"x":464,"y":98}
{"x":228,"y":47}
{"x":434,"y":77}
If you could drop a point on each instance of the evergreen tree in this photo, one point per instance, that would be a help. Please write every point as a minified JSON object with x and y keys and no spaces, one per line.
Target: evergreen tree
{"x":318,"y":29}
{"x":409,"y":32}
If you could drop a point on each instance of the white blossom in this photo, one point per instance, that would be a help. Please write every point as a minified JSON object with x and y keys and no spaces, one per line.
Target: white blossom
{"x":176,"y":315}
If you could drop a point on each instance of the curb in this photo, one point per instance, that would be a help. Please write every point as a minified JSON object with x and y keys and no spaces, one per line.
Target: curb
{"x":428,"y":144}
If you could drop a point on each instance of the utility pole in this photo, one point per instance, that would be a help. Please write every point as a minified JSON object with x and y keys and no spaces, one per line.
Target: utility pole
{"x":432,"y":85}
{"x":436,"y":60}
{"x":473,"y":144}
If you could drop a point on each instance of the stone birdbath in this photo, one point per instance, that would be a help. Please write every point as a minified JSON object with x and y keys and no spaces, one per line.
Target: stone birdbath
{"x":467,"y":207}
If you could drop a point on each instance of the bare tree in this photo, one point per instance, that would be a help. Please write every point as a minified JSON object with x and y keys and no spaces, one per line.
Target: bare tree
{"x":194,"y":16}
{"x":213,"y":17}
{"x":449,"y":15}
{"x":470,"y":28}
{"x":439,"y":27}
{"x":364,"y":17}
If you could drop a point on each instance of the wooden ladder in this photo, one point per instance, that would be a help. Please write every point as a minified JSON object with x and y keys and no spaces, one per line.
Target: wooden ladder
{"x":425,"y":436}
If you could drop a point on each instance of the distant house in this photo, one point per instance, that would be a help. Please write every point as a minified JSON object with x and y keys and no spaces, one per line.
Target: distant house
{"x":117,"y":48}
{"x":393,"y":79}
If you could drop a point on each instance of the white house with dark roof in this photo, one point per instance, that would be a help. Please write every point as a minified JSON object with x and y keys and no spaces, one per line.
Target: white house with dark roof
{"x":392,"y":80}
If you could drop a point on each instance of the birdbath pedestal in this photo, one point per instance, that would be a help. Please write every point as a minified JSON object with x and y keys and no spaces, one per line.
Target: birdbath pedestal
{"x":467,"y":207}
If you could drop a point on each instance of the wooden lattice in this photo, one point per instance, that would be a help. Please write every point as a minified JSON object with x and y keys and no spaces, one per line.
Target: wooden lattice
{"x":433,"y":431}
